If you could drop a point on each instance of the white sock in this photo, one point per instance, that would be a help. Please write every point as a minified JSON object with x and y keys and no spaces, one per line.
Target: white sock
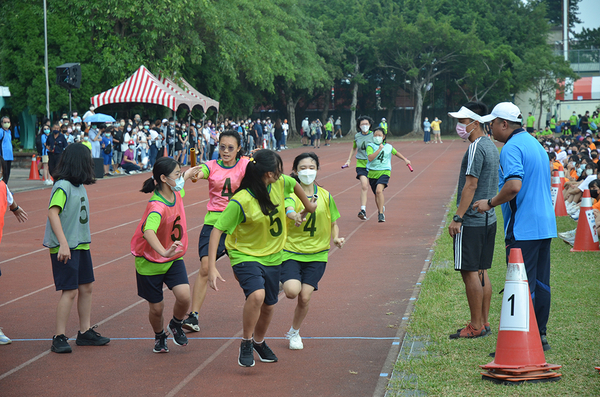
{"x":293,"y":331}
{"x":363,"y":207}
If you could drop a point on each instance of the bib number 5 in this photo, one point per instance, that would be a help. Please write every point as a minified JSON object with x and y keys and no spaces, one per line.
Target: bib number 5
{"x":277,"y":228}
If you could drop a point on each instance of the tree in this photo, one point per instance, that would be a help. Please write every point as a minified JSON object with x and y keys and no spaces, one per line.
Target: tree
{"x":554,"y":12}
{"x":587,"y":39}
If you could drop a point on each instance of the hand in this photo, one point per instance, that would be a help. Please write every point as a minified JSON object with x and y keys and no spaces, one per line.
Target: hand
{"x":407,"y":161}
{"x":299,"y":218}
{"x":172,"y":250}
{"x":454,"y":228}
{"x":481,"y":206}
{"x":64,"y":253}
{"x":347,"y":163}
{"x":21,"y":215}
{"x":339,"y":242}
{"x":380,"y":146}
{"x":213,"y":275}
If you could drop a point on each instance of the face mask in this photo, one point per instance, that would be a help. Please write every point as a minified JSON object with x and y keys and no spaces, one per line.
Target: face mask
{"x":179,"y":182}
{"x":6,"y":125}
{"x":569,"y":151}
{"x":55,"y":131}
{"x":46,"y":132}
{"x":86,"y":138}
{"x":94,"y":127}
{"x":128,"y":129}
{"x":107,"y":135}
{"x":589,"y":172}
{"x":307,"y":176}
{"x":122,"y":124}
{"x":556,"y":148}
{"x":378,"y":140}
{"x":562,"y":148}
{"x":172,"y":124}
{"x":436,"y":119}
{"x":594,"y":194}
{"x":131,"y":147}
{"x":461,"y":130}
{"x":364,"y":128}
{"x":146,"y":127}
{"x":69,"y":130}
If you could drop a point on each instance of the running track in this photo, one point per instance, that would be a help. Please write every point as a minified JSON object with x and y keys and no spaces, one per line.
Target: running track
{"x":351,"y":334}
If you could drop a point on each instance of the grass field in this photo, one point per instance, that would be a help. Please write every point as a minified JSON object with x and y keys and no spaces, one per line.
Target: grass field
{"x":451,"y":367}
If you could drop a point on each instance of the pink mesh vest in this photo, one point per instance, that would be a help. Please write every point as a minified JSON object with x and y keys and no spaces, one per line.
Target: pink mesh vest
{"x":223,"y":182}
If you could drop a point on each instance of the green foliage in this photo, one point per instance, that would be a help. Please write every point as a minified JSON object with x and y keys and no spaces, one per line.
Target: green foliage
{"x":587,"y":39}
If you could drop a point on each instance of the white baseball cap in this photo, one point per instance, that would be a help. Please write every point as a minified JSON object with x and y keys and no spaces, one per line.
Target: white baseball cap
{"x":465,"y":113}
{"x":504,"y":110}
{"x":165,"y":121}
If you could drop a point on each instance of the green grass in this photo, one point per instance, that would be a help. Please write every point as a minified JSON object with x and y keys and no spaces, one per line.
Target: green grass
{"x":451,"y":367}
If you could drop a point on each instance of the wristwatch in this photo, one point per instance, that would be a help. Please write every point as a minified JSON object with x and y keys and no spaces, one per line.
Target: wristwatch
{"x":490,"y":203}
{"x":457,"y":218}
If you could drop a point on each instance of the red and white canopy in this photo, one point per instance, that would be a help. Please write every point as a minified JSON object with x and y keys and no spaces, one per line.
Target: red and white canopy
{"x":143,"y":86}
{"x":186,"y":89}
{"x":585,"y":88}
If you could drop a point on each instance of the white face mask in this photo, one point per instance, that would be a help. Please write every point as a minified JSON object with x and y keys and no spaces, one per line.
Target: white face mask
{"x":378,"y":140}
{"x":364,"y":128}
{"x":589,"y":172}
{"x":307,"y":176}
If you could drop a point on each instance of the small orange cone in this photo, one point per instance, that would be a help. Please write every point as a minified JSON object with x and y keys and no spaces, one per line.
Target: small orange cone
{"x":34,"y":173}
{"x":166,"y":152}
{"x":558,"y":201}
{"x":519,"y":354}
{"x":586,"y":236}
{"x":561,"y":174}
{"x":598,"y":368}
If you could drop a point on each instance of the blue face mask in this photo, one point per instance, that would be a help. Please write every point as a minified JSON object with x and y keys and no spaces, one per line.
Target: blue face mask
{"x":179,"y":182}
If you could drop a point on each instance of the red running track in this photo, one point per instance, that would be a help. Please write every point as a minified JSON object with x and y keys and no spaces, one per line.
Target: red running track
{"x":352,"y":327}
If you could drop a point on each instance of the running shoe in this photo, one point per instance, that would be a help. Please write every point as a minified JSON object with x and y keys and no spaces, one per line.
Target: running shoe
{"x":160,"y":343}
{"x":246,"y":357}
{"x":362,"y":215}
{"x":381,"y":217}
{"x":488,"y":329}
{"x":545,"y":344}
{"x":265,"y":354}
{"x":191,"y":323}
{"x":178,"y":335}
{"x":469,"y":332}
{"x":295,"y":340}
{"x":60,"y":344}
{"x":4,"y":340}
{"x":91,"y":338}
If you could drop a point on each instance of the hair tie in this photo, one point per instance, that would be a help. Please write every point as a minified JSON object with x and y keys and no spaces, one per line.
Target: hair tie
{"x":252,"y":159}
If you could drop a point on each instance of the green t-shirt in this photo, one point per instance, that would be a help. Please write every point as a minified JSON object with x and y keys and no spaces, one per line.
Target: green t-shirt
{"x":59,"y":199}
{"x":530,"y":121}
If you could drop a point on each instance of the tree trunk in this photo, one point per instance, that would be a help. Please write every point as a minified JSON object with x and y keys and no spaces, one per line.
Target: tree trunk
{"x":541,"y":107}
{"x":390,"y":114}
{"x":354,"y":99}
{"x":325,"y":108}
{"x":418,"y":87}
{"x":291,"y":110}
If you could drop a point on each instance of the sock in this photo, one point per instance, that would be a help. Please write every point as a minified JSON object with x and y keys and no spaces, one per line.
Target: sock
{"x":158,"y":334}
{"x":175,"y":320}
{"x":293,"y":331}
{"x":363,"y":207}
{"x":256,"y":342}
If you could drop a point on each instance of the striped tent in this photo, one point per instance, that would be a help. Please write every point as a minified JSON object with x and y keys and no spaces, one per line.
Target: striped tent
{"x":189,"y":91}
{"x":585,"y":88}
{"x":143,"y":86}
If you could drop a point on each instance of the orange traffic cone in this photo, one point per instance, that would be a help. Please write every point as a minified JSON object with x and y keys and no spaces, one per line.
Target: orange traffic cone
{"x":586,"y":236}
{"x":561,"y":174}
{"x":166,"y":152}
{"x":519,"y":354}
{"x":598,"y":368}
{"x":34,"y":173}
{"x":558,"y":201}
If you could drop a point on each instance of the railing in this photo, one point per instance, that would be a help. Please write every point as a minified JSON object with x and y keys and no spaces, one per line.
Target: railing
{"x":583,"y":60}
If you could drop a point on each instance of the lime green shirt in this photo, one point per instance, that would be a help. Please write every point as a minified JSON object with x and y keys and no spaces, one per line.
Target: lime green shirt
{"x":59,"y":198}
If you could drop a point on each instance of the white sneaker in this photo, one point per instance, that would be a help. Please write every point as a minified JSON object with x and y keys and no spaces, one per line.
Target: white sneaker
{"x":568,"y":235}
{"x":48,"y":182}
{"x":4,"y":340}
{"x":296,"y":341}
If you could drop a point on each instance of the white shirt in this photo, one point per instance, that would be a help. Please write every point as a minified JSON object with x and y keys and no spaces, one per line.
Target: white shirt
{"x":285,"y":127}
{"x":586,"y":182}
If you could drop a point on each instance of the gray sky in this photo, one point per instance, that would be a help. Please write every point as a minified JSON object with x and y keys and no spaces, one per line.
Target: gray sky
{"x":589,"y":15}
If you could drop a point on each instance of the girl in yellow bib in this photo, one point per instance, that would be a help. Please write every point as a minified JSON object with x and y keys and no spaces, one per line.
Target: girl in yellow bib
{"x":254,"y":221}
{"x":307,"y":248}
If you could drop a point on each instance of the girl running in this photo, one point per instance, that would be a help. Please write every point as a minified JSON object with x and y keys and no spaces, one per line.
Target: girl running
{"x":224,"y":177}
{"x":379,"y":167}
{"x":359,"y":146}
{"x":68,"y":236}
{"x":159,"y":244}
{"x":256,"y":233}
{"x":306,"y":248}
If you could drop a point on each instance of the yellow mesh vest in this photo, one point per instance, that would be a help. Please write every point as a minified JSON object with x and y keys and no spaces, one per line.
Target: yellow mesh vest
{"x":314,"y":235}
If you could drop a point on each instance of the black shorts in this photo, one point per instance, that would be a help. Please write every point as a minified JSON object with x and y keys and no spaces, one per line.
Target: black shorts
{"x":306,"y":272}
{"x":151,"y":287}
{"x":382,"y":180}
{"x":204,"y":240}
{"x":253,"y":276}
{"x":360,"y":171}
{"x":78,"y":270}
{"x":530,"y":129}
{"x":474,"y":248}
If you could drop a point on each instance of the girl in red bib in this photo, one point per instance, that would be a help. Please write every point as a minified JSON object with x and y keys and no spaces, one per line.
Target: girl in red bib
{"x":159,"y":244}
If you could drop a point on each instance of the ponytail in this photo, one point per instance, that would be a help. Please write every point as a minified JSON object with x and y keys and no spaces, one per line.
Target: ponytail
{"x":163,"y":166}
{"x":263,"y":161}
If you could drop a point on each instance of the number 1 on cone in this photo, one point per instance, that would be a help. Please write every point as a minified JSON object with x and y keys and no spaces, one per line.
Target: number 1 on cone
{"x":514,"y":315}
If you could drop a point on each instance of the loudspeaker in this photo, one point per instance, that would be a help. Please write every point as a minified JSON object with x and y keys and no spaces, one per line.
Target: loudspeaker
{"x":98,"y":167}
{"x":68,"y":75}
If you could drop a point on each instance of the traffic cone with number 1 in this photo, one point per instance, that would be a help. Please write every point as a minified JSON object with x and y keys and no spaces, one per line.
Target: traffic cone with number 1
{"x":519,"y":354}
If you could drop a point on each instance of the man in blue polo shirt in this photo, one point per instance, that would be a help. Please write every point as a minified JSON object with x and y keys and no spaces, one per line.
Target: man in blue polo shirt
{"x":529,"y":221}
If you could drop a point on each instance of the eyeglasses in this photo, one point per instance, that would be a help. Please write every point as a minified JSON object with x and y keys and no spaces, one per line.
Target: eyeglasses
{"x":229,"y":148}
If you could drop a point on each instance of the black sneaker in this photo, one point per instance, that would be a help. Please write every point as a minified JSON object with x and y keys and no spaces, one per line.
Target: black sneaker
{"x":545,"y":344}
{"x":246,"y":357}
{"x":60,"y":344}
{"x":264,"y":352}
{"x":381,"y":217}
{"x":191,"y":323}
{"x":178,"y":335}
{"x":362,"y":215}
{"x":160,"y":343}
{"x":91,"y":338}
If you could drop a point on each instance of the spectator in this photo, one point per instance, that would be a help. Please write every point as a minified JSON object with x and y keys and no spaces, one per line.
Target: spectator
{"x":85,"y":141}
{"x":338,"y":128}
{"x":305,"y":133}
{"x":435,"y":128}
{"x":107,"y":149}
{"x":95,"y":136}
{"x":154,"y":143}
{"x":128,"y":163}
{"x":573,"y":120}
{"x":75,"y":118}
{"x":530,"y":123}
{"x":278,"y":134}
{"x":55,"y":145}
{"x":44,"y":139}
{"x":426,"y":130}
{"x":89,"y":112}
{"x":329,"y":131}
{"x":286,"y":128}
{"x":6,"y":149}
{"x":259,"y":133}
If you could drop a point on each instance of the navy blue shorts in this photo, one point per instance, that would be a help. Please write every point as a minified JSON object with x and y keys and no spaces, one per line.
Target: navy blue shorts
{"x":382,"y":180}
{"x":253,"y":276}
{"x":307,"y":272}
{"x":78,"y":270}
{"x":205,"y":239}
{"x":361,"y":172}
{"x":151,"y":287}
{"x":107,"y":158}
